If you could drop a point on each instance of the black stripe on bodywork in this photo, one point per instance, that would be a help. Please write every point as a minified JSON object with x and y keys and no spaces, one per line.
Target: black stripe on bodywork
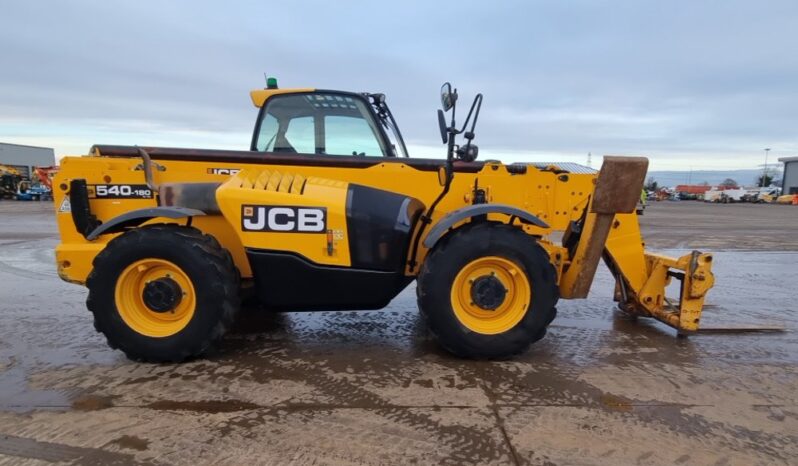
{"x":379,"y":225}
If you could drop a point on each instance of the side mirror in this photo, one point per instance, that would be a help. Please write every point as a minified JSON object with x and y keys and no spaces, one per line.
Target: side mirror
{"x":448,"y":97}
{"x":442,"y":126}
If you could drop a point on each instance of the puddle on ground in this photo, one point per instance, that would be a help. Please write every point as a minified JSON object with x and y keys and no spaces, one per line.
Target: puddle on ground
{"x":131,"y":442}
{"x":616,"y":402}
{"x":203,"y":406}
{"x":17,"y":396}
{"x":93,"y":402}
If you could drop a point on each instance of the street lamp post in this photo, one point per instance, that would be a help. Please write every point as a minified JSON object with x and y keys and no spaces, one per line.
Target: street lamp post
{"x":765,"y":171}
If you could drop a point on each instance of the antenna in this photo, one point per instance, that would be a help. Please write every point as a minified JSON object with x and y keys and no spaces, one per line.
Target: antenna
{"x":589,"y":159}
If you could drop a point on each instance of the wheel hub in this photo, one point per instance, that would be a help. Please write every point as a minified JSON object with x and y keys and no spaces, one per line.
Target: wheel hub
{"x":487,"y":292}
{"x":162,"y":294}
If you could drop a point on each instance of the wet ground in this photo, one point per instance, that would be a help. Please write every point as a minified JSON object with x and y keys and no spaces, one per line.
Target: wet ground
{"x":372,"y":388}
{"x":712,"y":227}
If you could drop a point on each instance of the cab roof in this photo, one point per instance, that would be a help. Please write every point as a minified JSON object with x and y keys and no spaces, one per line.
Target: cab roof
{"x":259,"y":96}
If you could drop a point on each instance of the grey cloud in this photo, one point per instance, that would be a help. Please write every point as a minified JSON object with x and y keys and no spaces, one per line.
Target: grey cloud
{"x":667,"y":78}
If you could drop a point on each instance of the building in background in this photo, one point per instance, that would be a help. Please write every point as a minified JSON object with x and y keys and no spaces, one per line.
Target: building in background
{"x":789,"y":183}
{"x":24,"y":158}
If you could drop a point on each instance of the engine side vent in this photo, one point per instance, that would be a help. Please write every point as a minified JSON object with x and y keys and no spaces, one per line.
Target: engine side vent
{"x":269,"y":180}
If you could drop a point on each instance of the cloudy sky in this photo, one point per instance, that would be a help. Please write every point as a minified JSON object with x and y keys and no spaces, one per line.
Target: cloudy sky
{"x":691,"y":84}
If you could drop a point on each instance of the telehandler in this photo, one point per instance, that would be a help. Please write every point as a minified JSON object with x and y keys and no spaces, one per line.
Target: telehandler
{"x":326,"y":211}
{"x":10,"y":181}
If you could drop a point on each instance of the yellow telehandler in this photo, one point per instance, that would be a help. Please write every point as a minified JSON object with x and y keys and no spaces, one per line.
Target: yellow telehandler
{"x":326,"y":211}
{"x":10,"y":180}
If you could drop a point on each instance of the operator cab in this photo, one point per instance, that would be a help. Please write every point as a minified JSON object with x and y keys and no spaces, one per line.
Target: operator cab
{"x":321,"y":122}
{"x":317,"y":122}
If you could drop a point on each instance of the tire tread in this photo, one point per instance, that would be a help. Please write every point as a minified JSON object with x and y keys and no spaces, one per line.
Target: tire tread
{"x":442,"y":253}
{"x":212,"y":253}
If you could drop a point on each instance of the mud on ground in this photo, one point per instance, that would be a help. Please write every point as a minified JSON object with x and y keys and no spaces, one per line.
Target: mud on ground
{"x":373,"y":388}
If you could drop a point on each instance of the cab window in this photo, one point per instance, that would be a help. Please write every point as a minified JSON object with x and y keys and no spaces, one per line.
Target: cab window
{"x":268,"y":131}
{"x":318,"y":123}
{"x":300,"y":133}
{"x":347,"y":135}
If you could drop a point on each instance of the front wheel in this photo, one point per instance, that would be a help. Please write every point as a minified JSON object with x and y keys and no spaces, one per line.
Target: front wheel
{"x":488,"y":291}
{"x":163,"y":293}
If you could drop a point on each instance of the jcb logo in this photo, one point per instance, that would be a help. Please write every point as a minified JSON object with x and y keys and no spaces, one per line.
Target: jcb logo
{"x":223,"y":171}
{"x":286,"y":219}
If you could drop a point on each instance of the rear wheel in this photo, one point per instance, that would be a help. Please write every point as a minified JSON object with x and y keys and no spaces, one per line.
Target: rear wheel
{"x":163,"y":293}
{"x":488,"y":291}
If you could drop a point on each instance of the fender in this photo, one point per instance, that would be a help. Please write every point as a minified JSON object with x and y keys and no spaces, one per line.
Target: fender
{"x":137,"y":217}
{"x":452,"y":218}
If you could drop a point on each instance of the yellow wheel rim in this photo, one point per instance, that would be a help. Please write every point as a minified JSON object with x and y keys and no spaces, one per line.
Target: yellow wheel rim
{"x":502,"y":317}
{"x":130,"y":301}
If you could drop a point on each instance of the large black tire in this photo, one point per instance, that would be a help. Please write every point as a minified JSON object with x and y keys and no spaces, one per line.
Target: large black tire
{"x":208,"y":267}
{"x":462,"y":247}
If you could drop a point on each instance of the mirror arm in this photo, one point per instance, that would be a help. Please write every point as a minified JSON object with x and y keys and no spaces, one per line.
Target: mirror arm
{"x":478,"y":105}
{"x":454,"y":110}
{"x":478,"y":102}
{"x":450,"y":148}
{"x":452,"y":133}
{"x":469,"y":135}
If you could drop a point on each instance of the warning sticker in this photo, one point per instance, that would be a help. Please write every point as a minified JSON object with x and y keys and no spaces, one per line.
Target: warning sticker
{"x":65,"y":206}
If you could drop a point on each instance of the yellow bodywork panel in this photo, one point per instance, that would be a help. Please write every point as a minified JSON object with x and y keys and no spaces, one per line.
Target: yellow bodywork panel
{"x":248,"y":202}
{"x":260,"y":96}
{"x":555,"y":198}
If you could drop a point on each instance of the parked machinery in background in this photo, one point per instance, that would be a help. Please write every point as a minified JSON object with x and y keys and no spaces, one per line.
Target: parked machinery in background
{"x":10,"y":182}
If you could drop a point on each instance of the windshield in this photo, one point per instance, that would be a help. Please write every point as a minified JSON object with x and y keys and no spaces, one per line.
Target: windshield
{"x":319,"y":123}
